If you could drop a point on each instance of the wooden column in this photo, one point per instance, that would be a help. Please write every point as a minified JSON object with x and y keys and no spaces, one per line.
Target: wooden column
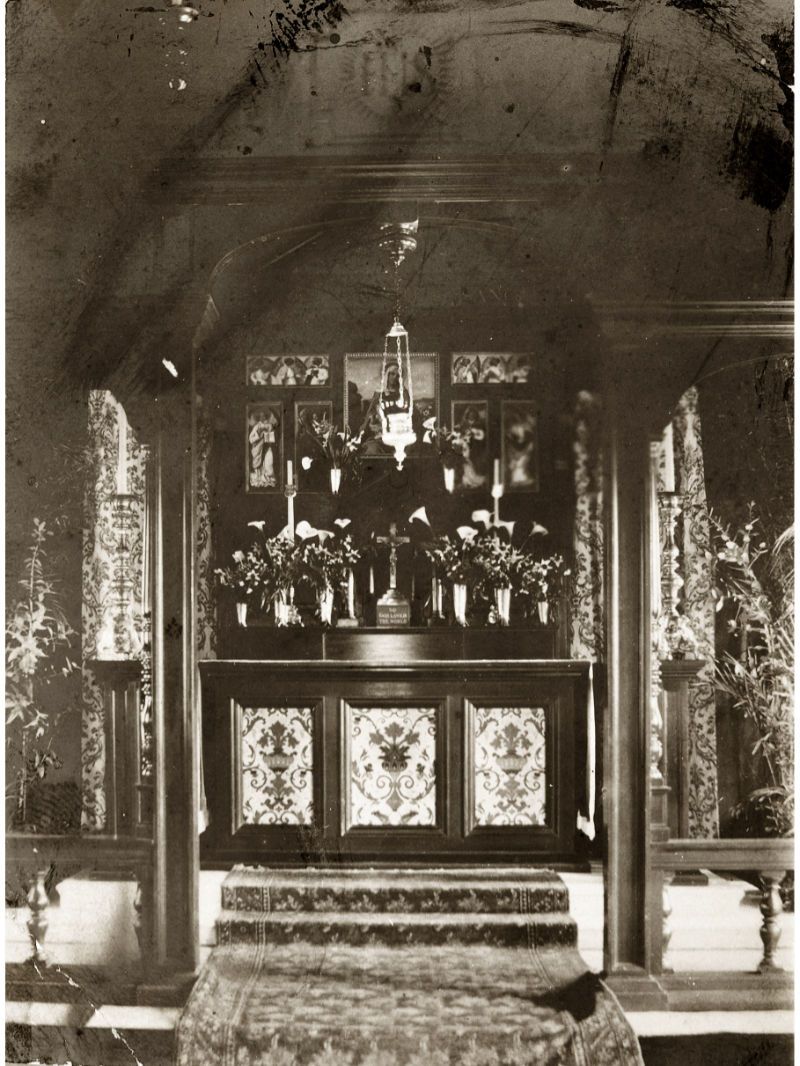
{"x":177,"y":863}
{"x":626,"y":785}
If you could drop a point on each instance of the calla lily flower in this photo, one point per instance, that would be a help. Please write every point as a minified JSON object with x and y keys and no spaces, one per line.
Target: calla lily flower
{"x":306,"y":462}
{"x":429,"y":423}
{"x":536,"y":528}
{"x":323,"y":534}
{"x":342,"y":523}
{"x":482,"y":516}
{"x":304,"y":530}
{"x":506,"y":525}
{"x":258,"y":525}
{"x":421,"y":515}
{"x":238,"y":557}
{"x":467,"y":533}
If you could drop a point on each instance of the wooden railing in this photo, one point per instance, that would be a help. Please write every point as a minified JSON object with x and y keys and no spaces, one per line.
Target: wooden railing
{"x":34,"y":857}
{"x":770,"y":859}
{"x":674,"y":858}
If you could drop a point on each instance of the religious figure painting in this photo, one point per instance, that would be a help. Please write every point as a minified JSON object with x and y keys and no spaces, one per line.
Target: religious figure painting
{"x":520,"y":445}
{"x":288,"y":371}
{"x":312,"y":419}
{"x":490,"y":368}
{"x":362,"y":396}
{"x":470,"y":419}
{"x":264,"y":447}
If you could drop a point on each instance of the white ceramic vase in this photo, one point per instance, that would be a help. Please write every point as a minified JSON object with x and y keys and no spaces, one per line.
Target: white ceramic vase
{"x":449,"y":478}
{"x":241,"y":613}
{"x":460,"y":603}
{"x":502,"y":602}
{"x":543,"y":610}
{"x":326,"y":605}
{"x":336,"y":480}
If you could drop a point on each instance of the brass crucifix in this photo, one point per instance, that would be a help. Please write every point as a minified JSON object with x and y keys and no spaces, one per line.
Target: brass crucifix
{"x":393,"y":541}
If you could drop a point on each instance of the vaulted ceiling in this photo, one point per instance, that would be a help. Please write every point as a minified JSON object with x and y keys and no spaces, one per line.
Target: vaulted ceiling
{"x":561,"y":154}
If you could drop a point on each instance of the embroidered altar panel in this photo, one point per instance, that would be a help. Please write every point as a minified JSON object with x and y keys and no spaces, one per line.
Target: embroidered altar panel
{"x":508,"y":765}
{"x":391,"y":765}
{"x":277,"y":765}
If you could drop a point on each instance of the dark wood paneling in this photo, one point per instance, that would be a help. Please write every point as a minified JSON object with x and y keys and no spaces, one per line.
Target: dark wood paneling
{"x":268,"y":642}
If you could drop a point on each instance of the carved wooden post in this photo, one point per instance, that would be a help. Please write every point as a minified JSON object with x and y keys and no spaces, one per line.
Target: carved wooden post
{"x":38,"y":902}
{"x":771,"y":909}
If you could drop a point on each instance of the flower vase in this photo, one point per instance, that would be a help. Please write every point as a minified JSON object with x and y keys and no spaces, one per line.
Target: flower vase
{"x":460,"y":603}
{"x":336,"y":479}
{"x":241,"y":613}
{"x":543,"y":610}
{"x":351,"y":594}
{"x":449,"y":478}
{"x":326,"y":605}
{"x":502,"y":602}
{"x":281,"y":607}
{"x":437,"y":599}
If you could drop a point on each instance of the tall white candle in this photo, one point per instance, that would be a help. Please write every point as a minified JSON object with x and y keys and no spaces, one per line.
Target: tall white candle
{"x":289,"y":473}
{"x":371,"y":580}
{"x":497,"y":472}
{"x":122,"y":451}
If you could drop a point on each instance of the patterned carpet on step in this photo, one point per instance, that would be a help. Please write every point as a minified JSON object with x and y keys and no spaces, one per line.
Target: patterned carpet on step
{"x":399,"y":968}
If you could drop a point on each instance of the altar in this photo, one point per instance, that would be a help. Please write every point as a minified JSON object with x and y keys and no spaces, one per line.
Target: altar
{"x":395,"y":747}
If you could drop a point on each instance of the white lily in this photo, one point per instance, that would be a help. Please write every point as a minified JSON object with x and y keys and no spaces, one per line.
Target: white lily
{"x":506,"y":525}
{"x":421,"y":515}
{"x":306,"y":462}
{"x":342,"y":523}
{"x":536,"y":528}
{"x":238,"y":557}
{"x":304,"y":530}
{"x":258,"y":525}
{"x":482,"y":516}
{"x":467,"y":533}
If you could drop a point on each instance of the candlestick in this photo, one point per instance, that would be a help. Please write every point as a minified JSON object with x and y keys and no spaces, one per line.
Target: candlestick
{"x":122,"y":452}
{"x":289,"y":492}
{"x":371,"y":580}
{"x":497,"y":472}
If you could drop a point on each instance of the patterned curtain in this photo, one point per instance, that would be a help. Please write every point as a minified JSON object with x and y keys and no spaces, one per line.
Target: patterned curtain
{"x":588,"y":615}
{"x":588,"y":620}
{"x":698,"y":608}
{"x":112,"y":585}
{"x":204,"y":591}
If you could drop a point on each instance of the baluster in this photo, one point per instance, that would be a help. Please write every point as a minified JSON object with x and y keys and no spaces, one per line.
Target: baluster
{"x":771,"y":909}
{"x":666,"y":925}
{"x":38,"y":902}
{"x":138,"y":917}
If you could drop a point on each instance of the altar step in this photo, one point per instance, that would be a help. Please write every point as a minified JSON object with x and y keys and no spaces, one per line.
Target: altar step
{"x":507,"y":907}
{"x":399,"y":966}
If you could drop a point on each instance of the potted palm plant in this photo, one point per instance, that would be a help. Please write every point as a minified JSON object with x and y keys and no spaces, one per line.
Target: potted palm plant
{"x":755,"y":581}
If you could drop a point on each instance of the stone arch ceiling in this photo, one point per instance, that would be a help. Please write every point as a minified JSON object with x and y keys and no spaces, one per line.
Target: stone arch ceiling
{"x":139,"y":153}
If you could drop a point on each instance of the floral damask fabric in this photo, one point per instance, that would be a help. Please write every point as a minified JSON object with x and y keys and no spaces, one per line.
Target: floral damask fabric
{"x":112,"y":578}
{"x":277,"y":765}
{"x":698,"y":608}
{"x":204,"y":576}
{"x":392,"y":765}
{"x":588,"y":621}
{"x":508,"y":765}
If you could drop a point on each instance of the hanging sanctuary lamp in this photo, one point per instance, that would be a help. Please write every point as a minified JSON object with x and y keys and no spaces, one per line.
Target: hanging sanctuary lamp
{"x":396,"y":398}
